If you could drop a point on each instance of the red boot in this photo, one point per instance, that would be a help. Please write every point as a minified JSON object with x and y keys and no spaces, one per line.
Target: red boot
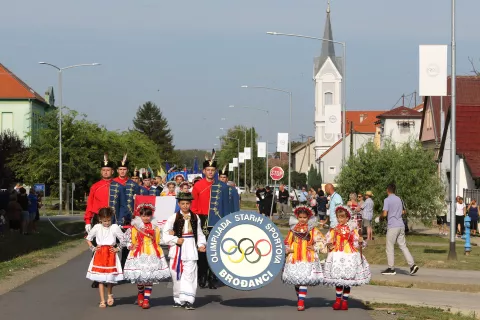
{"x":140,"y":298}
{"x":301,"y":305}
{"x":145,"y":304}
{"x":344,"y":305}
{"x":338,"y":304}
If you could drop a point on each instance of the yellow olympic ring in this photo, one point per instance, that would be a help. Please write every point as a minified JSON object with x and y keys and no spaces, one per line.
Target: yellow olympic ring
{"x":238,"y":260}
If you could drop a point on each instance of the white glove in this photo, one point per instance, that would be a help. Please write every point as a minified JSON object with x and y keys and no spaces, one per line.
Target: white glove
{"x":88,"y":227}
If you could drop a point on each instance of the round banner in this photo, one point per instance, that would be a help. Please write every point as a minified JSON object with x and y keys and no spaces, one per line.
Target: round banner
{"x":245,"y":250}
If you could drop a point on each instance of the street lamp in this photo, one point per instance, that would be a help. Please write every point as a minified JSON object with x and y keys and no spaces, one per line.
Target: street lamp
{"x":344,"y":81}
{"x":289,"y":127}
{"x":266,"y":156}
{"x":60,"y":92}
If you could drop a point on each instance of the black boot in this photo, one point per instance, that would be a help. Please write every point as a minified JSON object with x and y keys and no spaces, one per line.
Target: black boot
{"x":202,"y":282}
{"x":211,"y":280}
{"x":94,"y":284}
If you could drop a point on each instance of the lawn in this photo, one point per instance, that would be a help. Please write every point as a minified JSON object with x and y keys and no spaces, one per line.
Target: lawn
{"x":383,"y":311}
{"x":20,"y":252}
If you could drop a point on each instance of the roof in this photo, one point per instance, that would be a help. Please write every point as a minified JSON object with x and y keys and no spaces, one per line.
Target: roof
{"x":363,"y":121}
{"x":468,"y":94}
{"x":303,"y":145}
{"x":468,"y":136}
{"x":419,"y":107}
{"x":401,"y":112}
{"x":328,"y":48}
{"x":332,"y":147}
{"x":13,"y":88}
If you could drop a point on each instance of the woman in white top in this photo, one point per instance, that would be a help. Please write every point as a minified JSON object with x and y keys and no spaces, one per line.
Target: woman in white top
{"x":460,"y":216}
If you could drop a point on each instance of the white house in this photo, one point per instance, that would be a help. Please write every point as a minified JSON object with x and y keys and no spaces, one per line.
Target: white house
{"x":400,"y":125}
{"x":20,"y":106}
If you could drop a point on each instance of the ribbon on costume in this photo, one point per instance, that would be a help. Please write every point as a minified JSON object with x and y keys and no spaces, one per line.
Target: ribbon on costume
{"x":150,"y":233}
{"x":177,"y":262}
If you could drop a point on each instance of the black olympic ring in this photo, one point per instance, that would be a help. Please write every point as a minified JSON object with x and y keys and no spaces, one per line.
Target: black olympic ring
{"x":248,"y":251}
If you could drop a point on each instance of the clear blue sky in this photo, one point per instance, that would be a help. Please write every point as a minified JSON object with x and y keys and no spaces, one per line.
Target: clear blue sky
{"x":191,"y":57}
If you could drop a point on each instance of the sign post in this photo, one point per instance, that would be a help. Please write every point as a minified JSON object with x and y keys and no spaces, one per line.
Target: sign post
{"x":276,"y":173}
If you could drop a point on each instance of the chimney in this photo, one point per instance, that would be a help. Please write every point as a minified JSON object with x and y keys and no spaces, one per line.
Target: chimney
{"x":362,"y":117}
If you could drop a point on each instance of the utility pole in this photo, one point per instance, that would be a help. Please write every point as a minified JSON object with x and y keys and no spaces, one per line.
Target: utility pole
{"x":351,"y":139}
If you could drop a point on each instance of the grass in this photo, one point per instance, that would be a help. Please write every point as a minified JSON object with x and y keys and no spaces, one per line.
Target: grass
{"x":472,"y":288}
{"x":20,"y":252}
{"x":405,"y":312}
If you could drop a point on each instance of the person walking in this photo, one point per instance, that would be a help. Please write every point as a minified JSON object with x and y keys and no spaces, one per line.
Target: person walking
{"x":282,"y":201}
{"x":393,"y":211}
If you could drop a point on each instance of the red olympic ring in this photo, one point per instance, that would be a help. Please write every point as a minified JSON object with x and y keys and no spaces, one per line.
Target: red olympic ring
{"x":258,"y":251}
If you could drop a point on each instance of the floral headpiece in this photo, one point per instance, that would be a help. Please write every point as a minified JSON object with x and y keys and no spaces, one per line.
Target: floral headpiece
{"x":346,"y":209}
{"x":303,"y":209}
{"x":145,"y":205}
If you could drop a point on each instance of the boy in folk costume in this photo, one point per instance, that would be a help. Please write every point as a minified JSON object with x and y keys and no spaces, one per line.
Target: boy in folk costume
{"x":146,"y":263}
{"x":345,"y":265}
{"x":302,"y":266}
{"x":183,"y":233}
{"x":105,"y":266}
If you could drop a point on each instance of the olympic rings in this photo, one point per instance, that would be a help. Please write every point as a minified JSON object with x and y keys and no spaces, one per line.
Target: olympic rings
{"x":245,"y":252}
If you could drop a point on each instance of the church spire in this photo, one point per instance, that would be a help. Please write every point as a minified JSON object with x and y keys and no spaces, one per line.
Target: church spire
{"x":328,"y":48}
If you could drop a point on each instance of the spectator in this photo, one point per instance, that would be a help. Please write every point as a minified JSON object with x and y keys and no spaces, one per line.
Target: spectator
{"x":269,"y":205}
{"x":14,"y":212}
{"x":302,"y":197}
{"x":335,"y":200}
{"x":260,"y":194}
{"x":393,"y":211}
{"x":282,"y":201}
{"x":22,"y":199}
{"x":32,"y":210}
{"x":473,"y":214}
{"x":460,"y":216}
{"x":366,"y":207}
{"x":312,"y":200}
{"x":322,"y":207}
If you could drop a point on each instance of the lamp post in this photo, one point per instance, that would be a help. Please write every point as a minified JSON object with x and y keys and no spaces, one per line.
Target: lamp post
{"x":266,"y":156}
{"x":289,"y":127}
{"x":344,"y":81}
{"x":60,"y":92}
{"x":238,"y":151}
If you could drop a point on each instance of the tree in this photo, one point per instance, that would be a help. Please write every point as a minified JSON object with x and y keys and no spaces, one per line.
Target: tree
{"x":150,"y":121}
{"x":10,"y":145}
{"x":409,"y":166}
{"x":187,"y":157}
{"x":314,"y":178}
{"x":83,"y":146}
{"x":298,"y":179}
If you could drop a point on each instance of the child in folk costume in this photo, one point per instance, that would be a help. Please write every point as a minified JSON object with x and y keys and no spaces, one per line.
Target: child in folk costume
{"x":105,"y":267}
{"x":183,"y":233}
{"x":345,"y":265}
{"x":171,"y":189}
{"x":145,"y":263}
{"x":302,"y":266}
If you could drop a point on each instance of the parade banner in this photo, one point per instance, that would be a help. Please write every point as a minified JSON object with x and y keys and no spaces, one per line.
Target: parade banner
{"x":282,"y":142}
{"x":248,"y":153}
{"x":230,"y":167}
{"x":261,"y":149}
{"x":192,"y":176}
{"x":433,"y":70}
{"x":241,"y":157}
{"x":333,"y":121}
{"x":164,"y":207}
{"x":245,"y":250}
{"x":235,"y":162}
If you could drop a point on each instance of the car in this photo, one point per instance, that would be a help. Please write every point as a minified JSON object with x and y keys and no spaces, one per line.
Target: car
{"x":241,"y":190}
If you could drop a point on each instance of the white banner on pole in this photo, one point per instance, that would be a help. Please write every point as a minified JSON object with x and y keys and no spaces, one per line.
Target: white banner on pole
{"x":230,"y":167}
{"x":433,"y":70}
{"x":241,"y":157}
{"x":261,"y":149}
{"x":235,"y":162}
{"x":282,"y":142}
{"x":333,"y":119}
{"x":248,"y":153}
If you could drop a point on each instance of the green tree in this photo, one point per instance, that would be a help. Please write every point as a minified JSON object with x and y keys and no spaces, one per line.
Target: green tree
{"x":298,"y":179}
{"x":314,"y":178}
{"x":187,"y":157}
{"x":10,"y":145}
{"x":409,"y":166}
{"x":150,"y":121}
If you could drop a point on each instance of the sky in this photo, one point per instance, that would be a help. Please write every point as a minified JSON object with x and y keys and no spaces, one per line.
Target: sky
{"x":192,"y":57}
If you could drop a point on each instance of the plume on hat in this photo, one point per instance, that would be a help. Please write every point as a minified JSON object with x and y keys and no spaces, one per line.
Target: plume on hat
{"x":124,"y":159}
{"x":105,"y":158}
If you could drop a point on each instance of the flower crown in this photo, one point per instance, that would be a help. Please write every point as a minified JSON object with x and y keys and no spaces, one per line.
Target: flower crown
{"x":342,"y":207}
{"x":145,"y":205}
{"x":301,"y":209}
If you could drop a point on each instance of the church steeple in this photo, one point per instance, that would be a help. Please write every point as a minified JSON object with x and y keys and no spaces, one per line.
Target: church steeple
{"x":328,"y":48}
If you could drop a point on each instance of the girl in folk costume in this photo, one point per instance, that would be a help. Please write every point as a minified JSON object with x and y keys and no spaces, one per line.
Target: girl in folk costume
{"x":171,"y":189}
{"x":145,"y":263}
{"x":302,"y":266}
{"x":183,"y":233}
{"x":105,"y":266}
{"x":345,"y":265}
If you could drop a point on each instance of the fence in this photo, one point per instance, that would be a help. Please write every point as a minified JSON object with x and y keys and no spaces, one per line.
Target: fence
{"x":471,"y":194}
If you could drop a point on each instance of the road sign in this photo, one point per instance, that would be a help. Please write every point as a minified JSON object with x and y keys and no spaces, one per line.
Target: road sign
{"x":276,"y":173}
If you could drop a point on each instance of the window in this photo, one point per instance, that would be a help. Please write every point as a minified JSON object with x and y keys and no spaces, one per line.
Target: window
{"x":404,"y":126}
{"x":328,"y":98}
{"x":332,"y":170}
{"x":7,"y":121}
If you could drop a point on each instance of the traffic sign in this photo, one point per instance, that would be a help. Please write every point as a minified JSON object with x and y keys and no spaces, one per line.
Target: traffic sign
{"x":276,"y":173}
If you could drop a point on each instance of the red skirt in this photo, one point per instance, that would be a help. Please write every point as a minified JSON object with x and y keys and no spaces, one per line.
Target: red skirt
{"x":104,"y":261}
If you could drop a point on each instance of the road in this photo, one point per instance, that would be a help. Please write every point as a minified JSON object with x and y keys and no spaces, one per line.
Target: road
{"x":64,"y":293}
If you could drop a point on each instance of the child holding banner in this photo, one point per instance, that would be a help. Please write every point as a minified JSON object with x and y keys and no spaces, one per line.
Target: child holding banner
{"x":345,"y":265}
{"x":183,"y":233}
{"x":302,"y":266}
{"x":146,"y":263}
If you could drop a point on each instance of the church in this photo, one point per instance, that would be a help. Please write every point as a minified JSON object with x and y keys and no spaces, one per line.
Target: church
{"x":325,"y":150}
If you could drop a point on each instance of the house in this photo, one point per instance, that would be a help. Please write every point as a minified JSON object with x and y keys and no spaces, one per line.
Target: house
{"x":20,"y":106}
{"x":303,"y":156}
{"x":400,"y":125}
{"x":435,"y":132}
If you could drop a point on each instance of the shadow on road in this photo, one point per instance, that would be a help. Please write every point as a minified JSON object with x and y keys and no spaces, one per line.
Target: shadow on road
{"x":279,"y":302}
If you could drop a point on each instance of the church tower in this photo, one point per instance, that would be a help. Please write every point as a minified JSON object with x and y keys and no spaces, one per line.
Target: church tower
{"x":328,"y":76}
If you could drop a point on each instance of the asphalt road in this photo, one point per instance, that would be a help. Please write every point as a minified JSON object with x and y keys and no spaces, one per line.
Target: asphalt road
{"x":65,"y":293}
